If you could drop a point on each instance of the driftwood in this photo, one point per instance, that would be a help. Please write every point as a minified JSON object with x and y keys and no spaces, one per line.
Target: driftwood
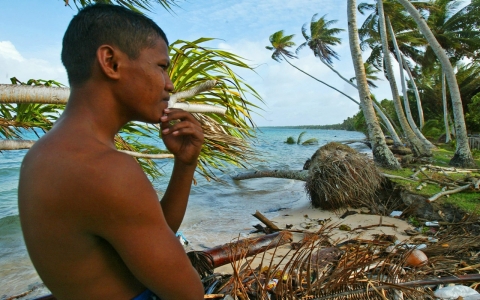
{"x":286,"y":174}
{"x":457,"y":190}
{"x":265,"y":221}
{"x":205,"y":261}
{"x":397,"y":177}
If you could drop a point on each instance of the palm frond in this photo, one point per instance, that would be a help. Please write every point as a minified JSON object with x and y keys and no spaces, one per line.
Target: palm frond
{"x":299,"y":139}
{"x":226,"y":136}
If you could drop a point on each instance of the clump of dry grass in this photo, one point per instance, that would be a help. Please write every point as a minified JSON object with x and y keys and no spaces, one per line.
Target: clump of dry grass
{"x":339,"y":177}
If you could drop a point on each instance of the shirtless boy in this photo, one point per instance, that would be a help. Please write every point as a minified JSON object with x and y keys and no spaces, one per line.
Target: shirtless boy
{"x":91,"y":220}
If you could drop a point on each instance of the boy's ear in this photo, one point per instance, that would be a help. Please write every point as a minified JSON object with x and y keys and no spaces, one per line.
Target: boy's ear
{"x":108,"y":59}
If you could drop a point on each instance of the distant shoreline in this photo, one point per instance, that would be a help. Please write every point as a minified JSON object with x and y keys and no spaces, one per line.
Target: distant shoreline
{"x":325,"y":127}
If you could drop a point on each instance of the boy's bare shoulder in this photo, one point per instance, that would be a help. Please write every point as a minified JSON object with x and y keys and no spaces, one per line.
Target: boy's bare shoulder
{"x":80,"y":170}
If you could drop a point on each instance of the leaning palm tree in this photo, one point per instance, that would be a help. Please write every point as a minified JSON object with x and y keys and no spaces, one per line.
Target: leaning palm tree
{"x":381,"y":153}
{"x":321,"y":40}
{"x":463,"y":156}
{"x":418,"y":146}
{"x":280,"y":44}
{"x":403,"y":65}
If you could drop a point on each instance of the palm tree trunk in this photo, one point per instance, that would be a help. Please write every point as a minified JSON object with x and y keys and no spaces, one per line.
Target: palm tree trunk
{"x":463,"y":156}
{"x":417,"y":94}
{"x":10,"y":93}
{"x":417,"y":146}
{"x":408,"y":112}
{"x":396,"y":139}
{"x":285,"y":174}
{"x":448,"y":137}
{"x":336,"y":72}
{"x":15,"y":144}
{"x":381,"y":154}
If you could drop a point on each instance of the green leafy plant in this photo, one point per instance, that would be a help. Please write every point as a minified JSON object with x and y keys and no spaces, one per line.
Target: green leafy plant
{"x":290,"y":140}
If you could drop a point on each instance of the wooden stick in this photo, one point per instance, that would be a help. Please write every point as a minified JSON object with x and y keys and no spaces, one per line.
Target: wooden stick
{"x":265,"y":221}
{"x":398,"y":177}
{"x":227,"y":253}
{"x":213,"y":296}
{"x":457,"y":190}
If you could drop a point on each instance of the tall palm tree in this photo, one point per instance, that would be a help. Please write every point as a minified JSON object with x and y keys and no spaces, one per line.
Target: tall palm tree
{"x":321,"y":40}
{"x":463,"y":156}
{"x":280,"y":44}
{"x":381,"y":153}
{"x":403,"y":81}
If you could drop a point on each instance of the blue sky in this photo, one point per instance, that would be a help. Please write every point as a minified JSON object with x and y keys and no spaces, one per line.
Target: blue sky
{"x":31,"y":32}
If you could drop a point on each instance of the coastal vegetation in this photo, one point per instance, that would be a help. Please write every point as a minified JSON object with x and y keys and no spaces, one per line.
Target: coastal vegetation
{"x":425,"y":48}
{"x":312,"y":141}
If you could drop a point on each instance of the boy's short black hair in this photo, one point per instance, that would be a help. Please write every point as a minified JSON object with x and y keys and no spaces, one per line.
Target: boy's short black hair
{"x":100,"y":24}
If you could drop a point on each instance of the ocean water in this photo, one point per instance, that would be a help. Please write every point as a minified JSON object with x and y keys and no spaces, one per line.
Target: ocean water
{"x":217,"y":212}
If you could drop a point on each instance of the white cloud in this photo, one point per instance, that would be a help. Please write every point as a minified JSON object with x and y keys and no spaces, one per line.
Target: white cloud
{"x":8,"y":51}
{"x":291,"y":97}
{"x":14,"y":64}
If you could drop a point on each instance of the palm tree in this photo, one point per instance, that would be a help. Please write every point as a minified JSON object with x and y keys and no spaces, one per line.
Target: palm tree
{"x":409,"y":42}
{"x":381,"y":153}
{"x":321,"y":40}
{"x":400,"y":59}
{"x":280,"y":44}
{"x":463,"y":156}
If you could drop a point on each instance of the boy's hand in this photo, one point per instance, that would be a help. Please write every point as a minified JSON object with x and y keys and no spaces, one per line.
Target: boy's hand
{"x":184,"y":139}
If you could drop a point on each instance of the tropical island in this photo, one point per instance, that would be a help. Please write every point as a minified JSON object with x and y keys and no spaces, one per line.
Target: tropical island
{"x":398,"y":222}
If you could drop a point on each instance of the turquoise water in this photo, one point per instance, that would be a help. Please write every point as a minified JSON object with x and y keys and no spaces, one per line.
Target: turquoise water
{"x":217,"y":212}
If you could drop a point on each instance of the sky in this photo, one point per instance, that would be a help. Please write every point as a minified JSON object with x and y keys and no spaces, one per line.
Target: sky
{"x":31,"y":33}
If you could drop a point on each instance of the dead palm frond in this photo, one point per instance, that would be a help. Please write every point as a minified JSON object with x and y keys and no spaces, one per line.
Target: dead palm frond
{"x":316,"y":269}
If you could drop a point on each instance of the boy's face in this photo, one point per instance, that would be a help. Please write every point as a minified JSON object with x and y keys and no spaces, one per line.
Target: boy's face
{"x":146,"y":85}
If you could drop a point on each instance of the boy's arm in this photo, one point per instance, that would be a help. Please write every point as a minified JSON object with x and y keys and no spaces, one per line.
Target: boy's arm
{"x":124,"y":210}
{"x":184,"y":140}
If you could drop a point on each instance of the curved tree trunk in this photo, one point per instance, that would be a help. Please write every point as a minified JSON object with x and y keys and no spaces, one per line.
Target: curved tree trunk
{"x":27,"y":144}
{"x":463,"y":156}
{"x":285,"y":174}
{"x":381,"y":154}
{"x":417,"y":94}
{"x":417,"y":146}
{"x":408,"y":112}
{"x":448,"y":136}
{"x":10,"y":93}
{"x":396,"y":139}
